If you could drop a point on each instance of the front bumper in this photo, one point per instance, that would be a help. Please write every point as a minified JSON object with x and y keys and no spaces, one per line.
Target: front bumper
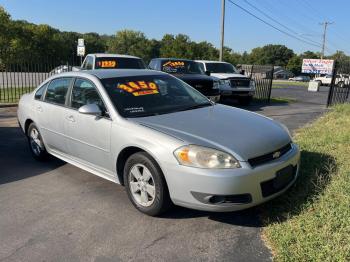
{"x":238,"y":92}
{"x":193,"y":187}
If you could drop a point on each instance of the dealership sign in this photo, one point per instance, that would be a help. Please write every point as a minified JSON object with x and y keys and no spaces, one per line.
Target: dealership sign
{"x":317,"y":66}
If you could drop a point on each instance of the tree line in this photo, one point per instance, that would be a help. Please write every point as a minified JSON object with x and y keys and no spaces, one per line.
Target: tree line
{"x":21,"y":41}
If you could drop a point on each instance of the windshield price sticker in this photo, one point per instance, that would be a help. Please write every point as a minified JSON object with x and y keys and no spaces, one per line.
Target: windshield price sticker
{"x":174,"y":64}
{"x":140,"y":88}
{"x":107,"y":64}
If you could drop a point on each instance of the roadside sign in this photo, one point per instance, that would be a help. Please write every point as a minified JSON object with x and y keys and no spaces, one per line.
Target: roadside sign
{"x":81,"y":42}
{"x":313,"y":86}
{"x":317,"y":66}
{"x":81,"y":50}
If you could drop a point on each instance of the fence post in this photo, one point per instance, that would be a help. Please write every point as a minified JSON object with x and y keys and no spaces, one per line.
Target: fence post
{"x":331,"y":88}
{"x":270,"y":84}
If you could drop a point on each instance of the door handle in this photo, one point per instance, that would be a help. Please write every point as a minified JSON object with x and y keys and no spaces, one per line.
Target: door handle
{"x":70,"y":118}
{"x":39,"y":108}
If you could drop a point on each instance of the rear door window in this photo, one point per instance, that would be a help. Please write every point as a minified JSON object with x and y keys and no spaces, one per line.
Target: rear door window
{"x":57,"y":91}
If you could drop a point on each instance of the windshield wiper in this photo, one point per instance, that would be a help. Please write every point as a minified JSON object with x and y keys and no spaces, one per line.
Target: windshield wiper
{"x":196,"y":106}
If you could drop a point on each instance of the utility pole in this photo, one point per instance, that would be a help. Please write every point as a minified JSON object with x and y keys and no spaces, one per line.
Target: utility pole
{"x":325,"y":24}
{"x":222,"y":29}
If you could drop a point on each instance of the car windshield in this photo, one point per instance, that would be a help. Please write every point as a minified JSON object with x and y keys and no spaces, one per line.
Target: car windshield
{"x":221,"y":68}
{"x":119,"y":63}
{"x":139,"y":96}
{"x":181,"y":67}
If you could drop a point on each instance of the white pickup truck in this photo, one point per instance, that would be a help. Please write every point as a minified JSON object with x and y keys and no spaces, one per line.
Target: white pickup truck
{"x":340,"y":80}
{"x":231,"y":82}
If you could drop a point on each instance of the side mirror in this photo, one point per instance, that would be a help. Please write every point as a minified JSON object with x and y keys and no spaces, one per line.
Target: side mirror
{"x":207,"y":73}
{"x":90,"y":109}
{"x":242,"y":72}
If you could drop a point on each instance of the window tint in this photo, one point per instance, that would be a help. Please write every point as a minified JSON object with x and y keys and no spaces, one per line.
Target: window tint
{"x":84,"y":93}
{"x":57,"y":91}
{"x":40,"y":92}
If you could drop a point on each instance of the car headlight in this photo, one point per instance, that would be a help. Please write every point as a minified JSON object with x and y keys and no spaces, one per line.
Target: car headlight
{"x":204,"y":157}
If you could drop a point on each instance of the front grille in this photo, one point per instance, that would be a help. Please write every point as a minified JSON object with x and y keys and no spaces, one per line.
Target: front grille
{"x":239,"y":82}
{"x":260,"y":160}
{"x":200,"y":84}
{"x":283,"y":178}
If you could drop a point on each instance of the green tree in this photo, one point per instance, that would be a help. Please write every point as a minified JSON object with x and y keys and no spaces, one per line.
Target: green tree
{"x":310,"y":55}
{"x":271,"y":54}
{"x":294,"y":64}
{"x":179,"y":46}
{"x":131,"y":43}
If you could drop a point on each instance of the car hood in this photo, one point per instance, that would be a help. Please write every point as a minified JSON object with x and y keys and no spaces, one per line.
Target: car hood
{"x":226,"y":75}
{"x":243,"y":133}
{"x":193,"y":77}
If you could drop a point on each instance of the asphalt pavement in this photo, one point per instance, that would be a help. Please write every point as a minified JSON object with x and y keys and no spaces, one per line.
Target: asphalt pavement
{"x":54,"y":211}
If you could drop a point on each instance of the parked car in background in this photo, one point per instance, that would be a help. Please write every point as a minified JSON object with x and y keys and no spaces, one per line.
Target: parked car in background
{"x":162,"y":139}
{"x":340,"y":80}
{"x":112,"y":61}
{"x":232,"y":83}
{"x":300,"y":79}
{"x":189,"y":72}
{"x":64,"y":68}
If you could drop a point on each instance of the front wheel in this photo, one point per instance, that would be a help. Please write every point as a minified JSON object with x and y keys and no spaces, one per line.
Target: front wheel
{"x":145,"y":185}
{"x":36,"y":144}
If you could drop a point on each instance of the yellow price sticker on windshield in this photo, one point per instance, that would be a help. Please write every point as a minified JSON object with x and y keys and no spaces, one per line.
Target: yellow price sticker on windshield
{"x":139,"y":88}
{"x":107,"y":64}
{"x":174,"y":64}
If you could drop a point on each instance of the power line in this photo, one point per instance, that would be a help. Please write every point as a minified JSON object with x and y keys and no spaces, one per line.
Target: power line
{"x":271,"y":25}
{"x":276,"y":21}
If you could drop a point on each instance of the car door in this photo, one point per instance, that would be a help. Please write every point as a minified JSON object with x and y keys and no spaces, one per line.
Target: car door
{"x":50,"y":114}
{"x":88,"y":136}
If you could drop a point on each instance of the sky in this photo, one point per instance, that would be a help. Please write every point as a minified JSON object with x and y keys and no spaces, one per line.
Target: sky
{"x":200,"y":20}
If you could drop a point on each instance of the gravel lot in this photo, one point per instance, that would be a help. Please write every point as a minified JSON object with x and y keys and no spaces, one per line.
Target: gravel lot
{"x":56,"y":212}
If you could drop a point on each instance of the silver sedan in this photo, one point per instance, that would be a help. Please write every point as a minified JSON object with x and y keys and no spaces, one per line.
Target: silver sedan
{"x":160,"y":138}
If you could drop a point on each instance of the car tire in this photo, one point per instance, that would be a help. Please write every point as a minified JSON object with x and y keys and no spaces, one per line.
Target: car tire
{"x":145,"y":185}
{"x":245,"y":101}
{"x":36,"y":144}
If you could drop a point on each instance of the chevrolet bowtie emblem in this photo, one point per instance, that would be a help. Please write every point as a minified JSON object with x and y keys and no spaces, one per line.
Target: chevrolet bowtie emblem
{"x":277,"y":154}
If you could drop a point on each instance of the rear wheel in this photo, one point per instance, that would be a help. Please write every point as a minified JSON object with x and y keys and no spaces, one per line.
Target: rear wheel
{"x":36,"y":144}
{"x":145,"y":185}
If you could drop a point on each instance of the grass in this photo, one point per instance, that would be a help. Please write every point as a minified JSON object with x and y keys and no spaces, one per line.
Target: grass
{"x":283,"y":84}
{"x":12,"y":95}
{"x":311,"y":222}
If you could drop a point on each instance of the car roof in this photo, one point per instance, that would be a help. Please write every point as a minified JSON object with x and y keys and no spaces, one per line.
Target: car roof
{"x":113,"y":55}
{"x":212,"y":61}
{"x":111,"y":73}
{"x":172,"y":58}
